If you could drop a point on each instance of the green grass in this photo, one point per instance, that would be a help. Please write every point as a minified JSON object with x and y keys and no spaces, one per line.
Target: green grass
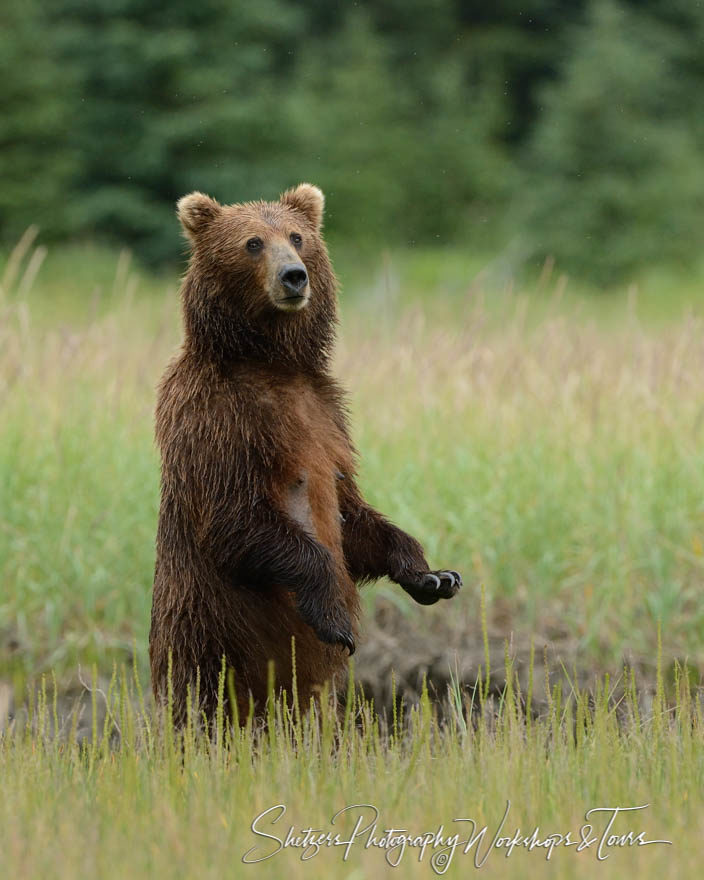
{"x":548,"y":451}
{"x":140,"y":799}
{"x":544,"y":439}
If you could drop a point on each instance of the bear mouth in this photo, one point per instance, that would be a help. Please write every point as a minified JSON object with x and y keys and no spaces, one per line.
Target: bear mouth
{"x":293,"y":302}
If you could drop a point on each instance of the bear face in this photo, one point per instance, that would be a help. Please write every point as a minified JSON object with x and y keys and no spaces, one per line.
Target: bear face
{"x":259,"y":256}
{"x":259,"y":285}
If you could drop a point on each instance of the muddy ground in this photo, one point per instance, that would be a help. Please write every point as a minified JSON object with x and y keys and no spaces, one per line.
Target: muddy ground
{"x":412,"y":649}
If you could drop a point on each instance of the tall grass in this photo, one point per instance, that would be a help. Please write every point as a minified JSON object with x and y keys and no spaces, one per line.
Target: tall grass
{"x":139,"y":798}
{"x":549,"y":447}
{"x":545,"y":446}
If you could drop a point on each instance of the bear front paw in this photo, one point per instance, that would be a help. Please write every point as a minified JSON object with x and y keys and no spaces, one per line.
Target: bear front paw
{"x":331,"y":625}
{"x":346,"y":640}
{"x":339,"y":633}
{"x":430,"y":586}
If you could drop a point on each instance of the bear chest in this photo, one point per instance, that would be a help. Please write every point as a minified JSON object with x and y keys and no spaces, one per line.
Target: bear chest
{"x":315,"y":460}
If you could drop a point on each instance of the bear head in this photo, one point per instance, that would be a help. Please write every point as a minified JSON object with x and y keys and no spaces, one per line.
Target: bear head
{"x":259,"y":281}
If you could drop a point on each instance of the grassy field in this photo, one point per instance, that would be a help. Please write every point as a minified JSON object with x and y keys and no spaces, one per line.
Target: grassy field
{"x":546,"y":443}
{"x":591,"y":788}
{"x":544,"y":440}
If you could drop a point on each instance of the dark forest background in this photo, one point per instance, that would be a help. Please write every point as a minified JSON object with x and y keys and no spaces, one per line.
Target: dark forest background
{"x":538,"y":127}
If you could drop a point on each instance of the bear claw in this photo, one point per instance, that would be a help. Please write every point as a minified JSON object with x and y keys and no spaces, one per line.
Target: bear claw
{"x":346,"y":641}
{"x":434,"y":585}
{"x":335,"y":635}
{"x":339,"y":637}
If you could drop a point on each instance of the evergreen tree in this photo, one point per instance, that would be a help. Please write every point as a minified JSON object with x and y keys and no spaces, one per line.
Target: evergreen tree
{"x":418,"y":117}
{"x":398,"y":157}
{"x":616,"y":175}
{"x":171,"y":96}
{"x":35,"y":159}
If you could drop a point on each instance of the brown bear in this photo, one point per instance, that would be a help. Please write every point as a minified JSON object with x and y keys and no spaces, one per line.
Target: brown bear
{"x":263,"y":533}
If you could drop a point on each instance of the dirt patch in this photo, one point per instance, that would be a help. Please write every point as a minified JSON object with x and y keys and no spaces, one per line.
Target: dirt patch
{"x":443,"y":650}
{"x":444,"y":653}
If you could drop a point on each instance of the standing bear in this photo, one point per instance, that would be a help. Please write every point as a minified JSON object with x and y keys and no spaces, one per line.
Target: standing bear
{"x":263,"y":533}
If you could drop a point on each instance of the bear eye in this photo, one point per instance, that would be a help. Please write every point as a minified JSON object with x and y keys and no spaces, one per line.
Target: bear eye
{"x":296,"y":239}
{"x":254,"y":244}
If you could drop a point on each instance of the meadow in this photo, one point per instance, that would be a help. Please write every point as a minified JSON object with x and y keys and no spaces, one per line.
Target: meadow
{"x":544,"y":440}
{"x":590,"y":788}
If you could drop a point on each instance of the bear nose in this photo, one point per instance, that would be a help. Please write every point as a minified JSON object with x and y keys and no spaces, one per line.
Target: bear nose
{"x":294,"y":277}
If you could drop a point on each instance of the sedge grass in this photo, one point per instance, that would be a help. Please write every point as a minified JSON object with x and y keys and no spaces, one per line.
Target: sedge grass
{"x":549,"y":449}
{"x":138,"y":798}
{"x":554,"y":457}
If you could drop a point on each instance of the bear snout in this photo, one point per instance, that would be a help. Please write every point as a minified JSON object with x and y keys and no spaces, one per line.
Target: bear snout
{"x":294,"y":278}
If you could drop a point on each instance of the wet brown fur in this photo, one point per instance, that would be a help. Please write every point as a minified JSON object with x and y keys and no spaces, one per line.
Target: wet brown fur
{"x":263,"y":534}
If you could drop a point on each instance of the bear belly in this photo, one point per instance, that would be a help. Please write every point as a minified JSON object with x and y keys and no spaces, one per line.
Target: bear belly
{"x":298,"y":505}
{"x":314,"y":456}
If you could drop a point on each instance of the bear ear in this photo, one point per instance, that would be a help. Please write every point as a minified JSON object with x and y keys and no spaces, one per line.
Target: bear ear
{"x":195,"y":211}
{"x":307,"y":199}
